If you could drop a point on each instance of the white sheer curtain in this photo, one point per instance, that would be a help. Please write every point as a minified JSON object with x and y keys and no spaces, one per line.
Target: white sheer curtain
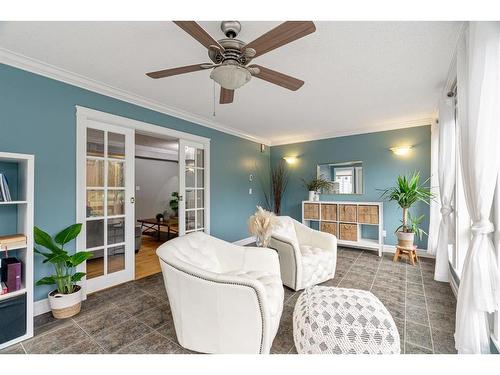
{"x":478,"y":79}
{"x":447,"y":177}
{"x":434,"y":214}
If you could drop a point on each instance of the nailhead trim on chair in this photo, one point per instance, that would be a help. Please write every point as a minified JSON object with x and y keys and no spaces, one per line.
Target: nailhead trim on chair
{"x":229,"y":283}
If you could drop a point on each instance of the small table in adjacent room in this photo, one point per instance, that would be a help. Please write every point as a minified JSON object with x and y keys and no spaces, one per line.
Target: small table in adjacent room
{"x":153,"y":226}
{"x":411,"y":252}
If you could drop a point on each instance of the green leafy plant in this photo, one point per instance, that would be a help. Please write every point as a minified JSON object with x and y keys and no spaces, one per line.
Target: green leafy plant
{"x":413,"y":225}
{"x":65,"y":277}
{"x":174,"y":202}
{"x":317,"y":184}
{"x":407,"y":192}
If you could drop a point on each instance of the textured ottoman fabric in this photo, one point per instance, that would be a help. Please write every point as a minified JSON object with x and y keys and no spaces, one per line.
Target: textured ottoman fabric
{"x":330,"y":320}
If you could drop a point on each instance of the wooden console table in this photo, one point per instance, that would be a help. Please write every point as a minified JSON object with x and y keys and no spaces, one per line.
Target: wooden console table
{"x":348,"y":221}
{"x":153,"y":226}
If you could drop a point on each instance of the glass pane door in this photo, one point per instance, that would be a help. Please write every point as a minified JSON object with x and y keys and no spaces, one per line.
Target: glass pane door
{"x":192,"y":180}
{"x":108,"y":214}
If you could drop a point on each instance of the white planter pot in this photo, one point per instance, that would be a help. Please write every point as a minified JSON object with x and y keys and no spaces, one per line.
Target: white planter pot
{"x":312,"y":194}
{"x":65,"y":305}
{"x":405,"y":239}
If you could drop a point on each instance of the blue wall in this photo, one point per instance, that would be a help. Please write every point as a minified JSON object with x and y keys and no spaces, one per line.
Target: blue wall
{"x":380,"y":169}
{"x":37,"y":116}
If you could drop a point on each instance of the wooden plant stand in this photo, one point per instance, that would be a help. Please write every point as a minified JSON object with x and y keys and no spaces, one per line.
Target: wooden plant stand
{"x":411,"y":252}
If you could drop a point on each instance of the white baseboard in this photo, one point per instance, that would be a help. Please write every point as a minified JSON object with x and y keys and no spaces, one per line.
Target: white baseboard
{"x":420,"y":252}
{"x":244,"y":241}
{"x":41,"y":307}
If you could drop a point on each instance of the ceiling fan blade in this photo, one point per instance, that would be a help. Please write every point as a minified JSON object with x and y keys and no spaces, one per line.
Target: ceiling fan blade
{"x":277,"y":78}
{"x":181,"y":70}
{"x":283,"y":34}
{"x":197,"y":32}
{"x":226,"y":96}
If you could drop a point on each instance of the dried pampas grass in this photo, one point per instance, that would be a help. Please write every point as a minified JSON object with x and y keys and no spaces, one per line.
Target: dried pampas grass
{"x":261,"y":225}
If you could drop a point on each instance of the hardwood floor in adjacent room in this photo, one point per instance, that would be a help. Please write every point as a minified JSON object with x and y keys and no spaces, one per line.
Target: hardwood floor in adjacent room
{"x":146,"y":260}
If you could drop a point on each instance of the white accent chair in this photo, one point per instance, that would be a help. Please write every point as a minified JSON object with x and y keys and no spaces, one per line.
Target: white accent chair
{"x":224,"y":298}
{"x":307,"y":256}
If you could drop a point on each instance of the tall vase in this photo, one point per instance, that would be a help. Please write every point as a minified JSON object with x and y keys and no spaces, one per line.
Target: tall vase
{"x":312,"y":195}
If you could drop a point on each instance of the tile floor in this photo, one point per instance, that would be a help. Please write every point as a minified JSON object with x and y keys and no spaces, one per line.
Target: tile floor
{"x":135,"y":317}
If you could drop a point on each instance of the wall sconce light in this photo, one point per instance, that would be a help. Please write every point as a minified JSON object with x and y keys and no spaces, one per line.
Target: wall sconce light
{"x":401,"y":150}
{"x":290,"y":159}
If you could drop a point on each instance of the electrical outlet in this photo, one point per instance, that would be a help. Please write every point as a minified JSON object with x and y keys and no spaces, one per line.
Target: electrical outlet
{"x":384,"y":233}
{"x":137,"y":188}
{"x":250,"y":178}
{"x":250,"y":191}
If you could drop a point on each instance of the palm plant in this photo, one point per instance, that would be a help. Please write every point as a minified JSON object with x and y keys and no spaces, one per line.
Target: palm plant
{"x":413,"y":225}
{"x":65,"y":277}
{"x":407,"y":192}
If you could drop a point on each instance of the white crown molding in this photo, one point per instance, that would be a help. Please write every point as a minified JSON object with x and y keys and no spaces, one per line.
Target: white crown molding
{"x":47,"y":70}
{"x":375,"y":129}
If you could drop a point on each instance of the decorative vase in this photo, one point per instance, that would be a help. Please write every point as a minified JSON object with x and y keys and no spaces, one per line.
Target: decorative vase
{"x":65,"y":305}
{"x":312,"y":194}
{"x":405,"y":239}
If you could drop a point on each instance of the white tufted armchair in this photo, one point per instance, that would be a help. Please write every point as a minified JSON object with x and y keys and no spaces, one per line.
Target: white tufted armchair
{"x":307,"y":256}
{"x":224,"y":298}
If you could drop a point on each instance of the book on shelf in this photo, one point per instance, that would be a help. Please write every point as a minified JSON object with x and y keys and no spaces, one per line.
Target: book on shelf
{"x":4,"y":189}
{"x":12,"y":241}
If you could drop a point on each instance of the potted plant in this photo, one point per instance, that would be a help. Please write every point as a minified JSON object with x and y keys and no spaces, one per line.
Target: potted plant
{"x":174,"y":203}
{"x":315,"y":185}
{"x":65,"y":300}
{"x":406,"y":193}
{"x":413,"y":224}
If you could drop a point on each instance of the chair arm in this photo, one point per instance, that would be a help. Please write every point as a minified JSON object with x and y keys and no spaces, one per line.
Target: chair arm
{"x":316,"y":238}
{"x":261,"y":259}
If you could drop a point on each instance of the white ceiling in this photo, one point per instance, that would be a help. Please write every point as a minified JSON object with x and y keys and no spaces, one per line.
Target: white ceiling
{"x":360,"y":76}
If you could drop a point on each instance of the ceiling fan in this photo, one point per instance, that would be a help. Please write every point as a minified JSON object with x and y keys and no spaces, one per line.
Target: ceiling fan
{"x":231,"y":57}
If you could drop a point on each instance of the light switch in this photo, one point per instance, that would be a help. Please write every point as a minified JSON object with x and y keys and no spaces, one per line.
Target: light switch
{"x":250,"y":178}
{"x":137,"y":188}
{"x":250,"y":191}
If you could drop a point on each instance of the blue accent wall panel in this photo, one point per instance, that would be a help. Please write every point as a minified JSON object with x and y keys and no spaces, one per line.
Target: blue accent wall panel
{"x":380,"y":169}
{"x":37,"y":116}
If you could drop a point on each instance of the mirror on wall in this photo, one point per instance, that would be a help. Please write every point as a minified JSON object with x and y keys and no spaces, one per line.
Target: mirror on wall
{"x":347,"y":177}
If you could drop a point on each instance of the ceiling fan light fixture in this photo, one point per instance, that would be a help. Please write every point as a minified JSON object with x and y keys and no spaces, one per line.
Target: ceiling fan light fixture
{"x":230,"y":76}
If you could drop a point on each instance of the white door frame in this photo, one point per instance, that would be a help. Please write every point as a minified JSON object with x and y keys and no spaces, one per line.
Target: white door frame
{"x":84,"y":116}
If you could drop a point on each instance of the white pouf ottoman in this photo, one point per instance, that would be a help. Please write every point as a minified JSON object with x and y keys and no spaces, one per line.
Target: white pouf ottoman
{"x":329,"y":320}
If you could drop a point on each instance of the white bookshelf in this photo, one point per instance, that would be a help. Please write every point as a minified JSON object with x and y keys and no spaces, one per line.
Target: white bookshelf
{"x":359,"y":242}
{"x":25,"y":220}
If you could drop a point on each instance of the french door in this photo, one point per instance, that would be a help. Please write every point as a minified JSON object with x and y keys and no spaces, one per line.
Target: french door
{"x":193,"y":182}
{"x":106,"y":202}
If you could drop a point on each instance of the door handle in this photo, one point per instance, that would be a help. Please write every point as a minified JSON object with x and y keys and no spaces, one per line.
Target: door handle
{"x":132,"y":199}
{"x":181,"y":198}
